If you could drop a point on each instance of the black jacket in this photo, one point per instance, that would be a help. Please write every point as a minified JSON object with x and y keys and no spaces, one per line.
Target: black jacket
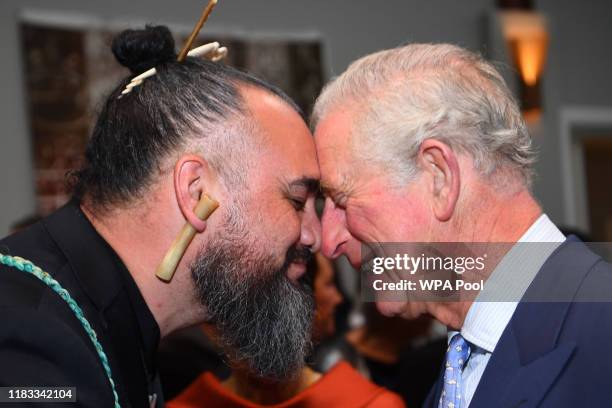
{"x":41,"y":341}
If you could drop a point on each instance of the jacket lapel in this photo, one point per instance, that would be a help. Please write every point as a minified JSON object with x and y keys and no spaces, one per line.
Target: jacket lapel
{"x":531,"y":381}
{"x":529,"y":357}
{"x":525,"y":363}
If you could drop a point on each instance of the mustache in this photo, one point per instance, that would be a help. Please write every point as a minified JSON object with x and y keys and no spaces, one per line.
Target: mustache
{"x":304,"y":256}
{"x":298,"y":255}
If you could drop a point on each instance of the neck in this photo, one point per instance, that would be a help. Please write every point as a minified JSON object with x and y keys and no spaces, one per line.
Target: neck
{"x":135,"y":236}
{"x":262,"y":392}
{"x":496,"y":219}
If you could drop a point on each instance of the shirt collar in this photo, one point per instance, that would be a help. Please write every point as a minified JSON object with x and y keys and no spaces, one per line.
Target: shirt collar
{"x":487,"y":318}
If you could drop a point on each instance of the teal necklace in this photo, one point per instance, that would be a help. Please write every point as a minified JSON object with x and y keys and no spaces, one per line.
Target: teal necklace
{"x":27,"y":266}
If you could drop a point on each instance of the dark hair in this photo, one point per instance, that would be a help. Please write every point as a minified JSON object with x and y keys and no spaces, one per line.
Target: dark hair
{"x":184,"y":100}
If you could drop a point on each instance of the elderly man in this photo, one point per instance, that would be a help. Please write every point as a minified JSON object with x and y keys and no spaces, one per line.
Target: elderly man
{"x":424,"y":143}
{"x":196,"y":129}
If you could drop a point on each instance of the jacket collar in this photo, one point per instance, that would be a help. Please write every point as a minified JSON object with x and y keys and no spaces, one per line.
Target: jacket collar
{"x":126,"y":318}
{"x":94,"y":263}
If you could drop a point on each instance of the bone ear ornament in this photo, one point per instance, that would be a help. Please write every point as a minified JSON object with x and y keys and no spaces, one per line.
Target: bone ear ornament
{"x":205,"y":207}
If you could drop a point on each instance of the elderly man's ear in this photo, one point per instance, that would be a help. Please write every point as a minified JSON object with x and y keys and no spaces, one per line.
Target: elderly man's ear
{"x":191,"y":174}
{"x":441,"y":171}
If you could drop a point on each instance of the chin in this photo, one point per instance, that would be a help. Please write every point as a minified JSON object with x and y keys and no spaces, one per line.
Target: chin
{"x":390,"y":309}
{"x":405,"y":310}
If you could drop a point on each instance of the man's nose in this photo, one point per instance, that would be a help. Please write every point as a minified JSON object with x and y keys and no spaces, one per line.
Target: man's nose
{"x":334,"y":231}
{"x":311,"y":231}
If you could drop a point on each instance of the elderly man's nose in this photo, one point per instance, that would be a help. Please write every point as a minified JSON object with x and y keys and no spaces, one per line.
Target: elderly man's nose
{"x":334,"y":232}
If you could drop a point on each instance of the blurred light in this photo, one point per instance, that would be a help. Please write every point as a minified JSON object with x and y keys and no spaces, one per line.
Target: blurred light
{"x":526,"y":35}
{"x":530,"y":55}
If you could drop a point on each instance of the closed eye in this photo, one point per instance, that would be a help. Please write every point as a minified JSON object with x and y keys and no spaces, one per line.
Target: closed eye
{"x":297,"y":203}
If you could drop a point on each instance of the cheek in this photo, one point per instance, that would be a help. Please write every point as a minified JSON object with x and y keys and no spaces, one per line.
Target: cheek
{"x":371,"y":221}
{"x":413,"y":222}
{"x":391,"y":220}
{"x":277,"y":227}
{"x":360,"y":221}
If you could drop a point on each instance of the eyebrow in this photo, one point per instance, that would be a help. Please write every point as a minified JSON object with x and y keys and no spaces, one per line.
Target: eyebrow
{"x":330,"y":190}
{"x":311,"y":184}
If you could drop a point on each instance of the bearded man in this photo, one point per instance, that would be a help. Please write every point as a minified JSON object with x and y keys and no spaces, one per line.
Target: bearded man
{"x":195,"y":129}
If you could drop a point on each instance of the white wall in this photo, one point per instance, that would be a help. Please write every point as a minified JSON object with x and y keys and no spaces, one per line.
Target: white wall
{"x":578,"y":74}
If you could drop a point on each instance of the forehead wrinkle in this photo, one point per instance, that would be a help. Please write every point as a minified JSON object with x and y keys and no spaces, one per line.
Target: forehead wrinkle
{"x":342,"y":187}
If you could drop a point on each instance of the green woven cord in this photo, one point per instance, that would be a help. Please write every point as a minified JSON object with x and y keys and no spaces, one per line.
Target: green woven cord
{"x":27,"y":266}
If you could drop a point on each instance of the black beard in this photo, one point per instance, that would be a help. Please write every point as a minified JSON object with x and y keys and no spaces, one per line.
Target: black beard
{"x":264,"y":321}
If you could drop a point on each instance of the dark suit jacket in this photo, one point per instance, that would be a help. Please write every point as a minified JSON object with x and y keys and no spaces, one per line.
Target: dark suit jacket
{"x":41,"y":341}
{"x":556,"y":349}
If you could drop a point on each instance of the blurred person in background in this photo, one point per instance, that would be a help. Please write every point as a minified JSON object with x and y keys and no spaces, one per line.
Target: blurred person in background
{"x":327,"y":298}
{"x":389,"y":351}
{"x":393,"y":352}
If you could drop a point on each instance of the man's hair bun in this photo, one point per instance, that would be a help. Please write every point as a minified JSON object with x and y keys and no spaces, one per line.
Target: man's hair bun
{"x":139,"y":50}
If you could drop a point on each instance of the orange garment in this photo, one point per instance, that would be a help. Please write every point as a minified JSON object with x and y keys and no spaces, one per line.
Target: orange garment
{"x":341,"y":387}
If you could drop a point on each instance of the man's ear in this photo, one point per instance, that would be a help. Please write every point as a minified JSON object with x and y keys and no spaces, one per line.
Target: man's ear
{"x":440,"y":163}
{"x":190,"y":174}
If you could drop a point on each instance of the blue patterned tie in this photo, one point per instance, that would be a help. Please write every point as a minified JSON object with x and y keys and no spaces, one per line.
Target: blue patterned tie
{"x":456,"y":356}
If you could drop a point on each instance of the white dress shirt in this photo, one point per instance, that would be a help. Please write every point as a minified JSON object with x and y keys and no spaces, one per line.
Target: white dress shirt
{"x":488,"y":317}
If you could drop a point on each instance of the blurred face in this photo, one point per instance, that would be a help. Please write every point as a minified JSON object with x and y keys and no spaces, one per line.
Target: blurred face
{"x":362,"y":206}
{"x":327,"y":298}
{"x":248,"y":276}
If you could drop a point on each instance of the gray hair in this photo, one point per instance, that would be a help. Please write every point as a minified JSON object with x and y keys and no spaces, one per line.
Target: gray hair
{"x":416,"y":92}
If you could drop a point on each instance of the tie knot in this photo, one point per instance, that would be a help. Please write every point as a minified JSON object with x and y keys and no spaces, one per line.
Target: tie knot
{"x":458,"y":352}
